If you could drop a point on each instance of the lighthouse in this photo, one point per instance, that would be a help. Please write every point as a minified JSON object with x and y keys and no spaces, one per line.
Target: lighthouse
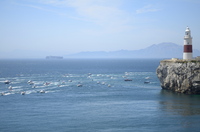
{"x":187,"y":53}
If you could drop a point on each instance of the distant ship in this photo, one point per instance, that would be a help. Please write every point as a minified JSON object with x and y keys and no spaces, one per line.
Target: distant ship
{"x":54,"y":57}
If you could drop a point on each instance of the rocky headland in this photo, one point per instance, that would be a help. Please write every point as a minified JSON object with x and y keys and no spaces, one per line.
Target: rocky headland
{"x":181,"y":76}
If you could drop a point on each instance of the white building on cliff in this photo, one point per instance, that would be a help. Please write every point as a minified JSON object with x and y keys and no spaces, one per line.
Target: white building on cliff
{"x":187,"y":53}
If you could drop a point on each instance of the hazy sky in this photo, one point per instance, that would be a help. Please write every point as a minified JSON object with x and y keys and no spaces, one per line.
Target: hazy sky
{"x":60,"y":27}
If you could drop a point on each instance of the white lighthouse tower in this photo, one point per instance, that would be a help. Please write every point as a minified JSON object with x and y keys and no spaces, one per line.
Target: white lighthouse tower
{"x":187,"y":54}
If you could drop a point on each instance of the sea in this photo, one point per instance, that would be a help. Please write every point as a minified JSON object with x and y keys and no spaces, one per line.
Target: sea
{"x":91,"y":95}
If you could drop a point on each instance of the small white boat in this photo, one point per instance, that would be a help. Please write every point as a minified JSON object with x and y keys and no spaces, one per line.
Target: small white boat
{"x":89,"y":74}
{"x":23,"y":93}
{"x":7,"y":82}
{"x":79,"y":85}
{"x":103,"y":83}
{"x":42,"y":91}
{"x":147,"y":77}
{"x":30,"y":82}
{"x":10,"y":87}
{"x":46,"y":83}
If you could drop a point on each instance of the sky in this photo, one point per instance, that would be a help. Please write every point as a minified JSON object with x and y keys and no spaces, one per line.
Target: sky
{"x":37,"y":28}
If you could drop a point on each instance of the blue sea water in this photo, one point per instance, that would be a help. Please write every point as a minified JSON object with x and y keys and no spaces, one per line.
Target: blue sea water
{"x":104,"y":103}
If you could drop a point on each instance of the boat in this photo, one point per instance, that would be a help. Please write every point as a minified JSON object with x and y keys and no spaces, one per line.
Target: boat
{"x":147,"y":77}
{"x":63,"y":82}
{"x":89,"y":74}
{"x":42,"y":91}
{"x":103,"y":83}
{"x":54,"y":57}
{"x":79,"y":85}
{"x":46,"y":83}
{"x":10,"y":87}
{"x":7,"y":82}
{"x":23,"y":93}
{"x":128,"y":80}
{"x":30,"y":82}
{"x":146,"y":82}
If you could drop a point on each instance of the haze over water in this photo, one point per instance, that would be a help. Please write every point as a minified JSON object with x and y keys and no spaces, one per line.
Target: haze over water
{"x":38,"y":28}
{"x":104,"y":103}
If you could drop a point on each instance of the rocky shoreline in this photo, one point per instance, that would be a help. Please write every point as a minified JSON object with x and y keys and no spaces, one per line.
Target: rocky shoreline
{"x":182,"y":76}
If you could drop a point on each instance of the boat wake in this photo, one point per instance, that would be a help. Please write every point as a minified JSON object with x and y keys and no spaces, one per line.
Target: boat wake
{"x":25,"y":85}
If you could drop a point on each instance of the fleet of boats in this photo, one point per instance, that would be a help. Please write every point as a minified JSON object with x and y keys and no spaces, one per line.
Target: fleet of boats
{"x":30,"y":82}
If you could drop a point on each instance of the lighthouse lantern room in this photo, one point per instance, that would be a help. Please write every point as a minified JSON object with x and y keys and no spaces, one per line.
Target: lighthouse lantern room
{"x":187,"y":54}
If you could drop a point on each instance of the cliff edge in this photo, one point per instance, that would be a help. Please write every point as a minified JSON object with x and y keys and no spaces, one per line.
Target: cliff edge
{"x":181,"y":76}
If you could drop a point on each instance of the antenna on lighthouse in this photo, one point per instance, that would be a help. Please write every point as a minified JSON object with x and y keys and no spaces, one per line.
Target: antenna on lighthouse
{"x":187,"y":53}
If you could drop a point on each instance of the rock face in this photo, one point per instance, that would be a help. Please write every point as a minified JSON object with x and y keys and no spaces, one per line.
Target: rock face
{"x":180,"y":75}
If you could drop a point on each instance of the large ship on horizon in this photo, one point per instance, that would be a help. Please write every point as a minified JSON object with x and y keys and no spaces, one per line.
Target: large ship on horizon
{"x":54,"y":57}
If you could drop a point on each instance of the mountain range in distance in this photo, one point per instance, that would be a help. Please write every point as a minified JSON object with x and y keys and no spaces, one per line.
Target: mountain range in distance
{"x":162,"y":50}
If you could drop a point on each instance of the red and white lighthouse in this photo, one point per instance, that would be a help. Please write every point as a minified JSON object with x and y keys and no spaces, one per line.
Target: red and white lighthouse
{"x":187,"y":54}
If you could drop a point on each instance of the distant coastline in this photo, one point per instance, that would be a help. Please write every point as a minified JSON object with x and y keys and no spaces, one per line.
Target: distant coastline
{"x":161,"y":50}
{"x":54,"y":57}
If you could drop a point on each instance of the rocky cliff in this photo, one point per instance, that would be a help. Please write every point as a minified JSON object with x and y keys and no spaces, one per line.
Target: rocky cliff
{"x":180,"y":75}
